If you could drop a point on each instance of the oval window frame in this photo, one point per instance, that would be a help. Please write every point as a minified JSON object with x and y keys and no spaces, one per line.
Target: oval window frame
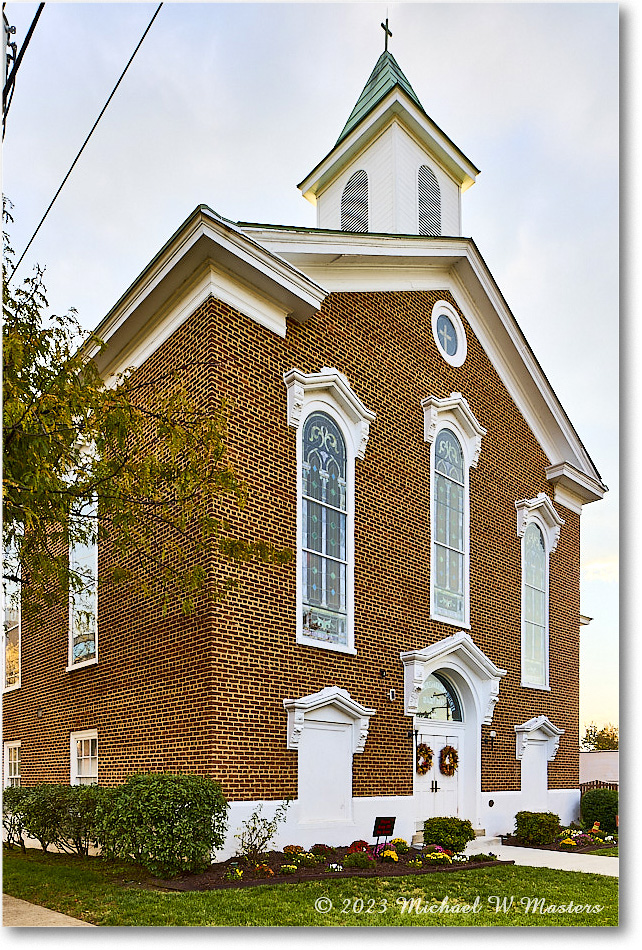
{"x":442,"y":307}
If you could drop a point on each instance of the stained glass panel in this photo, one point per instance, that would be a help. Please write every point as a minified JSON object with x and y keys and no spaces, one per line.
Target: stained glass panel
{"x":534,"y":606}
{"x":324,"y":530}
{"x":449,"y":526}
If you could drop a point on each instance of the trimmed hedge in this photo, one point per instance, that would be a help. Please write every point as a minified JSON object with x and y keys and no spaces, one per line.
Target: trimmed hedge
{"x":53,"y":814}
{"x":600,"y":804}
{"x":451,"y":833}
{"x":168,"y":823}
{"x":536,"y":827}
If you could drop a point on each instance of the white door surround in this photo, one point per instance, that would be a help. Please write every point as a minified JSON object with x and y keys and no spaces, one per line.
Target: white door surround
{"x":476,"y":680}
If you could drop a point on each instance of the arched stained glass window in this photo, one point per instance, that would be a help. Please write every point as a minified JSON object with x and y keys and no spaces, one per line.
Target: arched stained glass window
{"x":324,"y":530}
{"x":438,"y":700}
{"x":354,"y":203}
{"x":448,"y":527}
{"x":534,"y":606}
{"x":428,"y":202}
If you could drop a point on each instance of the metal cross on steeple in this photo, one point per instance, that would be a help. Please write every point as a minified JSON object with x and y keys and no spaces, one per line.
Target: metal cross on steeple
{"x":384,"y":27}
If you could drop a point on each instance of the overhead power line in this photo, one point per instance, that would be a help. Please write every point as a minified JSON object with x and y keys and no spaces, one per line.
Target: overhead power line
{"x":73,"y":164}
{"x":7,"y":92}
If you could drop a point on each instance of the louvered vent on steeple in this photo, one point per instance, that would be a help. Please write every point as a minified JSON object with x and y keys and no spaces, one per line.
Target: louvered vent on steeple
{"x":429,"y":202}
{"x":354,"y":203}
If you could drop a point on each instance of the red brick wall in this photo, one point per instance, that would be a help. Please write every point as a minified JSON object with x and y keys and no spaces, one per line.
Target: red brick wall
{"x":205,"y":693}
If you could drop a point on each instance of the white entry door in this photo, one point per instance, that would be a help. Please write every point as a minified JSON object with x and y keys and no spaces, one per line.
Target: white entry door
{"x":437,"y":795}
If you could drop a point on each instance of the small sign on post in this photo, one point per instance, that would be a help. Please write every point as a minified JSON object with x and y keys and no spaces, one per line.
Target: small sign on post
{"x":383,"y":828}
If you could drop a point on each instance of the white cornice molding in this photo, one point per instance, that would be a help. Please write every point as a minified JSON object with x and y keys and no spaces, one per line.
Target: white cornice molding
{"x":458,"y":652}
{"x":334,"y":697}
{"x":333,"y":386}
{"x":574,"y":488}
{"x":537,"y":730}
{"x":395,"y":106}
{"x":453,"y":408}
{"x":540,"y":510}
{"x":248,"y":272}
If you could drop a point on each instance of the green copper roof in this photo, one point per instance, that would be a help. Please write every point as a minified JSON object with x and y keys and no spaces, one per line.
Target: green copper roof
{"x":385,"y":76}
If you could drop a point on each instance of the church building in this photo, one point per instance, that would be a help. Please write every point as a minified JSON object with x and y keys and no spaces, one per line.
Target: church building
{"x":419,"y":656}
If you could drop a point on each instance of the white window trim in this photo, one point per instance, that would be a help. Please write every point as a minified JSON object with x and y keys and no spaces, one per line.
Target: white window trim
{"x":330,"y":392}
{"x":14,"y":744}
{"x":452,"y":413}
{"x":541,"y":512}
{"x":70,"y":638}
{"x":73,"y":761}
{"x":443,"y":307}
{"x":5,"y":688}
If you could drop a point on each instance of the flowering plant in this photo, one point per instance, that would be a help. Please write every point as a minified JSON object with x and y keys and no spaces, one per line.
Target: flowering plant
{"x":289,"y":869}
{"x":322,"y":849}
{"x":358,"y":845}
{"x":263,"y":870}
{"x":459,"y":858}
{"x":401,"y":845}
{"x":415,"y":863}
{"x":293,"y":849}
{"x":389,"y":855}
{"x":568,"y":843}
{"x":378,"y":849}
{"x":234,"y":874}
{"x":439,"y":857}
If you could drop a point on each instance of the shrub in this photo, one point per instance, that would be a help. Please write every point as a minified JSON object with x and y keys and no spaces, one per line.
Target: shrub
{"x":451,"y":833}
{"x":600,"y":804}
{"x":79,"y":829}
{"x":358,"y":859}
{"x":482,"y":857}
{"x":44,"y":810}
{"x":13,"y":815}
{"x":536,"y":827}
{"x":168,"y":823}
{"x":257,"y":832}
{"x":305,"y":859}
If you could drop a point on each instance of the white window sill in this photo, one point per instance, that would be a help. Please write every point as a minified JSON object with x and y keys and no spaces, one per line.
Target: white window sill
{"x":11,"y":689}
{"x":80,"y":666}
{"x":324,"y":645}
{"x":545,"y":689}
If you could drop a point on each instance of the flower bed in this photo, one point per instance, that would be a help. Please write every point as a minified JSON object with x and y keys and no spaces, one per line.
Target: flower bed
{"x":571,"y":840}
{"x":321,"y":862}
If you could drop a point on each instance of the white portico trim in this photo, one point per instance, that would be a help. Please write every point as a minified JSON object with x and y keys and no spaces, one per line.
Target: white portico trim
{"x":476,"y":680}
{"x":460,"y":654}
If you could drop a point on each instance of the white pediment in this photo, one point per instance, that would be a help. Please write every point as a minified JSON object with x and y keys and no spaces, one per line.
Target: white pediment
{"x":537,"y":730}
{"x":339,"y":704}
{"x":458,"y":652}
{"x":455,"y":409}
{"x":541,"y":511}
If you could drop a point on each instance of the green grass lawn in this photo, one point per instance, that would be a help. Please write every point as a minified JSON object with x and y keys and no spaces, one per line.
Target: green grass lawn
{"x":606,"y":852}
{"x":112,"y":894}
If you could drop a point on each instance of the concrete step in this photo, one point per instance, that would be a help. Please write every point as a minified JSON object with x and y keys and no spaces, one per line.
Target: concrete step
{"x":482,"y":844}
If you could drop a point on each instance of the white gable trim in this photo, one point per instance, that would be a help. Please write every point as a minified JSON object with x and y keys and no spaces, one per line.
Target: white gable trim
{"x":455,"y":409}
{"x":331,"y":697}
{"x":395,"y":105}
{"x":536,"y":730}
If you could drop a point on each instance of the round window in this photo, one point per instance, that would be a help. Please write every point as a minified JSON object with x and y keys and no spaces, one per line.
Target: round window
{"x":448,"y":331}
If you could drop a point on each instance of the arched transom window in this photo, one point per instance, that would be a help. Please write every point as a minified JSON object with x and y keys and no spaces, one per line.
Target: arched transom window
{"x":438,"y":700}
{"x":428,"y":202}
{"x":324,"y":531}
{"x":449,"y":547}
{"x":354,"y":203}
{"x":534,"y":606}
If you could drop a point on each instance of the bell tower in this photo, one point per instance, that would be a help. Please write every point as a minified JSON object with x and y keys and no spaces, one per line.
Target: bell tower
{"x":392,"y":170}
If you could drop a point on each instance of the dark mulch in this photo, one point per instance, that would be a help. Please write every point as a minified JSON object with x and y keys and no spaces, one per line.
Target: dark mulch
{"x":512,"y":841}
{"x":214,"y":877}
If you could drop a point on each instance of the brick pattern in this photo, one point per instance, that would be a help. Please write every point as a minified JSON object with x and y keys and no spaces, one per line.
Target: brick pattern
{"x":205,"y":693}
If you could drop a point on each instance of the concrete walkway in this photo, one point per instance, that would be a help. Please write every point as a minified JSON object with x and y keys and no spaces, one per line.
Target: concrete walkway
{"x":558,"y":860}
{"x":17,"y":913}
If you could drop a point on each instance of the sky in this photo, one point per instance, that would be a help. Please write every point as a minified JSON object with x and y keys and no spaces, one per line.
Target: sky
{"x":231,"y":105}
